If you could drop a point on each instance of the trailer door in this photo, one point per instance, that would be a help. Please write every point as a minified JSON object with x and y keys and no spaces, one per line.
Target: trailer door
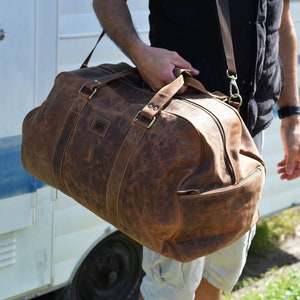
{"x":28,"y":34}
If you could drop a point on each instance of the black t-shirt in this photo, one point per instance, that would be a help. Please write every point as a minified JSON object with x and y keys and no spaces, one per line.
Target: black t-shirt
{"x":191,"y":28}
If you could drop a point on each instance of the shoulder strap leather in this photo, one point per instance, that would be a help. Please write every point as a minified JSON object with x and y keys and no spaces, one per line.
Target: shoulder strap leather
{"x":86,"y":61}
{"x":225,"y":27}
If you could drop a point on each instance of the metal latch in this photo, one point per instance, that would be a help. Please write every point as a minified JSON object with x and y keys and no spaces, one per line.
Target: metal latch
{"x":2,"y":34}
{"x":234,"y":93}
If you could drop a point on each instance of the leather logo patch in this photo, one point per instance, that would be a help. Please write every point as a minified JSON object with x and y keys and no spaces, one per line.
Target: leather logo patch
{"x":100,"y":126}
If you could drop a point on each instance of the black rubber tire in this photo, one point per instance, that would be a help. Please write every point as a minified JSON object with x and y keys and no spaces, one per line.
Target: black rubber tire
{"x":111,"y":271}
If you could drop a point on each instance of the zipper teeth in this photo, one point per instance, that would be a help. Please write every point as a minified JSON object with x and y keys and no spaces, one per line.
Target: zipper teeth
{"x":250,"y":176}
{"x":256,"y":171}
{"x":221,"y":129}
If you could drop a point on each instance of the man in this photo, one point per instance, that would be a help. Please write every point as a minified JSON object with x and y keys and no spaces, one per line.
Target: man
{"x":185,"y":34}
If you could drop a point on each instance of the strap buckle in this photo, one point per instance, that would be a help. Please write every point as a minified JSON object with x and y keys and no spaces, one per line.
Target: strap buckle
{"x":86,"y":93}
{"x":142,"y":121}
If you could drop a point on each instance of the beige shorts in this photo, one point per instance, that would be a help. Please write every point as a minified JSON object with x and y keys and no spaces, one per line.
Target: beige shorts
{"x":169,"y":279}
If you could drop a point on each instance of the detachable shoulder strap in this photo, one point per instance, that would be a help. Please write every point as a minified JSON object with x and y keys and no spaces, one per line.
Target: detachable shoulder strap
{"x":224,"y":21}
{"x":86,"y":61}
{"x":225,"y":28}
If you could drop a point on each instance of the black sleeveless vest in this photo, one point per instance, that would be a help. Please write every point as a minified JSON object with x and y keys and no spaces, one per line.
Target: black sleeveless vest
{"x":191,"y":28}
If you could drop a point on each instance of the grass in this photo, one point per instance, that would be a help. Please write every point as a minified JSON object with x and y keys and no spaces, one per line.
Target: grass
{"x":282,"y":224}
{"x":281,"y":284}
{"x":278,"y":283}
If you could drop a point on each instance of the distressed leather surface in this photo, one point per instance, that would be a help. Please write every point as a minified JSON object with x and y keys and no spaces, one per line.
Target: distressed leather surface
{"x":185,"y":187}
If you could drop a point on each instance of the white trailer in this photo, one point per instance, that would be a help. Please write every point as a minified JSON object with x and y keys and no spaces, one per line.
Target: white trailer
{"x":47,"y":240}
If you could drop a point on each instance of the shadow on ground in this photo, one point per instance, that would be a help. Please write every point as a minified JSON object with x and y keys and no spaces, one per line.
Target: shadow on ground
{"x":256,"y":266}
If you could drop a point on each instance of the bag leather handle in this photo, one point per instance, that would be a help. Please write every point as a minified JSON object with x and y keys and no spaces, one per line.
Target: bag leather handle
{"x":88,"y":90}
{"x":163,"y":97}
{"x":189,"y":80}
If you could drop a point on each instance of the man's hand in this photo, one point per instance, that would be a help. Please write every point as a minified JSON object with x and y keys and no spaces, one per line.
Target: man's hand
{"x":289,"y":167}
{"x":156,"y":65}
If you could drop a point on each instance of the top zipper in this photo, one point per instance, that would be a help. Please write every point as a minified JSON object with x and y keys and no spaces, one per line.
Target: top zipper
{"x":228,"y":164}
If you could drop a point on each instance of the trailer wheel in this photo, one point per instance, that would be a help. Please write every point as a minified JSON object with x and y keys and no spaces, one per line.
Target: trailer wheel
{"x":111,"y":271}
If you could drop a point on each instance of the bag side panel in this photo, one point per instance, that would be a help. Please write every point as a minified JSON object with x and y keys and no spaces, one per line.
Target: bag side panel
{"x":224,"y":216}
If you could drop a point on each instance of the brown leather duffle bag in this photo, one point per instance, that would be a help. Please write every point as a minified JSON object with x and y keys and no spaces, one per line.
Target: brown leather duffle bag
{"x":179,"y":174}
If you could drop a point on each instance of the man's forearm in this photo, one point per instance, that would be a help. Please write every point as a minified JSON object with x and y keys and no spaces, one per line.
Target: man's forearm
{"x":288,"y":54}
{"x":115,"y":18}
